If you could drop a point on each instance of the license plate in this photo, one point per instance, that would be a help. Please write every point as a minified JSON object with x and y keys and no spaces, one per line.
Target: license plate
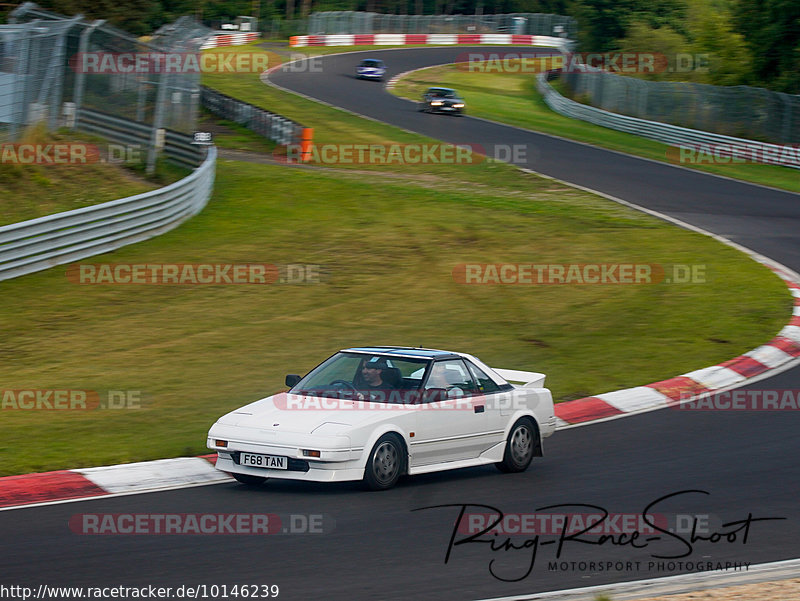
{"x":271,"y":462}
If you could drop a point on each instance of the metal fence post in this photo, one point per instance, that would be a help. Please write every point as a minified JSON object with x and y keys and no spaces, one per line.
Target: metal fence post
{"x":21,"y":81}
{"x":786,"y":125}
{"x":158,"y":121}
{"x":80,"y":78}
{"x":57,"y":65}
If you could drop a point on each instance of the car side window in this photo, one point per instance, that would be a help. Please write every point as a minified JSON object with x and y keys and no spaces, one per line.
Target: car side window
{"x":453,"y":376}
{"x":485,"y":383}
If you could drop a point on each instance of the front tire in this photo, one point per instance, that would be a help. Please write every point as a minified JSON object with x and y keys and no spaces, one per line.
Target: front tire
{"x":386,"y":463}
{"x":250,"y":480}
{"x":520,"y":446}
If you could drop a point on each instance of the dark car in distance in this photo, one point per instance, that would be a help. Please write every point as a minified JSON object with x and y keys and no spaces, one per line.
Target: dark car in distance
{"x":442,"y":100}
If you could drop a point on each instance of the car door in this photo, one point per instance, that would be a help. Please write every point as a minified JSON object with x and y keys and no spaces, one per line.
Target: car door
{"x":499,"y":402}
{"x":455,"y":428}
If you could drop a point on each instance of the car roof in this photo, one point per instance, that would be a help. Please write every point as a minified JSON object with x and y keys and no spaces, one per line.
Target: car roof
{"x":442,"y":89}
{"x":404,"y":351}
{"x":377,"y":60}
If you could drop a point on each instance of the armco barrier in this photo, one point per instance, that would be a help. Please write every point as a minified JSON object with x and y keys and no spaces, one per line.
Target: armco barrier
{"x":270,"y":125}
{"x":661,"y":132}
{"x":238,"y":38}
{"x":449,"y":39}
{"x":41,"y":243}
{"x":178,"y":146}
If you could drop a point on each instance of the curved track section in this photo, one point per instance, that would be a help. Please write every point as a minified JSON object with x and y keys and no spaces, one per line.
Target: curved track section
{"x":383,"y":545}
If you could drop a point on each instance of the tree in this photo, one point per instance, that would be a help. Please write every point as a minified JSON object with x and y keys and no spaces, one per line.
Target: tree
{"x":771,"y":29}
{"x":712,"y":33}
{"x":663,"y":41}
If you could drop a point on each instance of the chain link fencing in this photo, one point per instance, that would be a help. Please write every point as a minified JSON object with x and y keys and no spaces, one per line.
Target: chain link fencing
{"x":70,"y":72}
{"x":738,"y":111}
{"x":31,"y":73}
{"x":720,"y":147}
{"x":353,"y":22}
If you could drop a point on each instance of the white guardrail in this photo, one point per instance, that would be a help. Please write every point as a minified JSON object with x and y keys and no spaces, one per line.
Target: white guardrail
{"x":716,"y":144}
{"x":41,"y":243}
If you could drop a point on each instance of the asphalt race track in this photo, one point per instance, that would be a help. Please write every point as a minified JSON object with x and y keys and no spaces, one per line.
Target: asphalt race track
{"x":376,"y":546}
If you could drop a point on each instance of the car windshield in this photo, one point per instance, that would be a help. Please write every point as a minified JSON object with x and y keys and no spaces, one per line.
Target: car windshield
{"x":443,"y":93}
{"x":371,"y":63}
{"x":364,"y":376}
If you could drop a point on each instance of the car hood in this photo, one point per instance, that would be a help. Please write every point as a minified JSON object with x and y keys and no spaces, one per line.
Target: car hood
{"x":304,"y":414}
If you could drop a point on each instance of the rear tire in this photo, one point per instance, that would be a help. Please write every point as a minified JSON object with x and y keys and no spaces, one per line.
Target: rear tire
{"x":386,"y":463}
{"x":520,"y":446}
{"x":250,"y":480}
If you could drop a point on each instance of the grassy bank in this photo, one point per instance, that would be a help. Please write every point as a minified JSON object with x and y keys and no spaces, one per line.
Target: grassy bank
{"x":388,"y":251}
{"x":28,"y":191}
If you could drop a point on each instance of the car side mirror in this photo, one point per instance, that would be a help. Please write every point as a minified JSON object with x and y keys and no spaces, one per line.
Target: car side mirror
{"x":293,"y":380}
{"x":434,"y":395}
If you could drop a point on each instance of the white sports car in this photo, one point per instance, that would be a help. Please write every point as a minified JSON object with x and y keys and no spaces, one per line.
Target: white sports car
{"x":377,"y":413}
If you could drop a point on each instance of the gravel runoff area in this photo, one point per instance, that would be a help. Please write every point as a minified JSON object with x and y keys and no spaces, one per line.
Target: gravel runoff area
{"x":777,"y":590}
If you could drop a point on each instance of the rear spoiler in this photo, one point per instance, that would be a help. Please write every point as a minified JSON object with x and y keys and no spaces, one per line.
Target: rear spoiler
{"x":529,"y":379}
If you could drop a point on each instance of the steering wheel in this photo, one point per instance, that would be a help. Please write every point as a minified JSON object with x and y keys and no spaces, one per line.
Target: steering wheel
{"x":458,"y":388}
{"x":344,"y":384}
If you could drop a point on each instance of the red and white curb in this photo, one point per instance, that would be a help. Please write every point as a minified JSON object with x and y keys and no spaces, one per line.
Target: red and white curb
{"x":128,"y":478}
{"x":230,"y":39}
{"x":434,"y":39}
{"x":779,"y":354}
{"x":783,"y":351}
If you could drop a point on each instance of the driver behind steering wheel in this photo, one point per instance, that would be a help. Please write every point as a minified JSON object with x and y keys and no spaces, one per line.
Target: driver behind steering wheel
{"x":373,"y":382}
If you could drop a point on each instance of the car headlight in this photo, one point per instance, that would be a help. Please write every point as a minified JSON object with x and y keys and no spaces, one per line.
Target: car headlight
{"x":458,"y":106}
{"x":436,"y":103}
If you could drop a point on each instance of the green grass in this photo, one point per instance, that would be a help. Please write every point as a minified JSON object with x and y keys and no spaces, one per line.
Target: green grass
{"x":512,"y":98}
{"x":232,"y":136}
{"x":30,"y":191}
{"x":388,"y":246}
{"x":389,"y":250}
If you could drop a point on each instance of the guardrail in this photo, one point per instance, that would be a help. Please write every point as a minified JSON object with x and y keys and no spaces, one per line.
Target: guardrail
{"x":177,"y":146}
{"x":447,"y":39}
{"x":38,"y":244}
{"x":237,"y":38}
{"x":724,"y":146}
{"x":270,"y":125}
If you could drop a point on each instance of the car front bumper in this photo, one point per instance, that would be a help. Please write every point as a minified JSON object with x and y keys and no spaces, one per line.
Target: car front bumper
{"x":318,"y":471}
